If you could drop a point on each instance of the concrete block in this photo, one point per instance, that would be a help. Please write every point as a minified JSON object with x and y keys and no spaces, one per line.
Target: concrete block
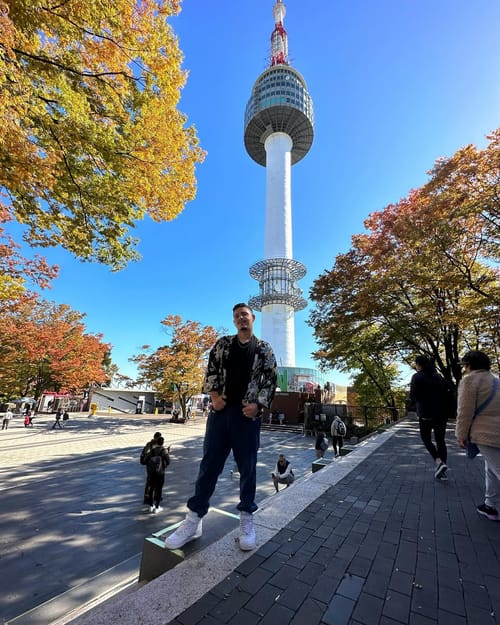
{"x":156,"y":559}
{"x":319,"y":464}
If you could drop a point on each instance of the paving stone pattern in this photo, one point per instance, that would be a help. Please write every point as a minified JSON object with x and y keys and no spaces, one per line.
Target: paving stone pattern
{"x":387,"y":545}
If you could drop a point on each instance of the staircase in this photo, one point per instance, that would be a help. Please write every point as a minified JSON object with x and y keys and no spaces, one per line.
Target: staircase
{"x":296,"y":428}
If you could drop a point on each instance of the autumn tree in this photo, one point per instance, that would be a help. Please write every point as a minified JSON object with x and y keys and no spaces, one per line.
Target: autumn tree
{"x":119,"y":379}
{"x":44,"y":346}
{"x":176,"y":371}
{"x":422,"y":279}
{"x":91,"y":140}
{"x":18,"y":273}
{"x":467,"y":188}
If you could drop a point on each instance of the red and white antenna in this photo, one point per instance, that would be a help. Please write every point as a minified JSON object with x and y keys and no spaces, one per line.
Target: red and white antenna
{"x":279,"y":38}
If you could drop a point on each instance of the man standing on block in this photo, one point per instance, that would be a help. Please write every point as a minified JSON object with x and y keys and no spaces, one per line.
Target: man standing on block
{"x":241,"y":381}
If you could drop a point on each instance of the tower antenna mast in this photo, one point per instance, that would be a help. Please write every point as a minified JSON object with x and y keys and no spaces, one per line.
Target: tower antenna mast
{"x":279,"y":37}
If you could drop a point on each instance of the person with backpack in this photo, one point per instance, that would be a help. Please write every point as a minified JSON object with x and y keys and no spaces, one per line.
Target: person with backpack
{"x":143,"y":460}
{"x":157,"y":461}
{"x":338,"y":431}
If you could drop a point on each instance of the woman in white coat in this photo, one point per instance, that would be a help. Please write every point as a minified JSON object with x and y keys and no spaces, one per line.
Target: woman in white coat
{"x":479,"y":413}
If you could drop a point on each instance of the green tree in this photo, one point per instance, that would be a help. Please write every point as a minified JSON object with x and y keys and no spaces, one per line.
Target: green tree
{"x":91,"y":140}
{"x":176,"y":371}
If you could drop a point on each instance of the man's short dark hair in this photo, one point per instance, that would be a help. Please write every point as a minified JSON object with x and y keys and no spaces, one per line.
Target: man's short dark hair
{"x":423,"y":361}
{"x":160,"y":440}
{"x":476,"y":360}
{"x":242,"y":305}
{"x":157,"y":435}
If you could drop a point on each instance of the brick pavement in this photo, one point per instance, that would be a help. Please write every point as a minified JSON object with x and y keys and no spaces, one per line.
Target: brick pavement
{"x":386,"y":545}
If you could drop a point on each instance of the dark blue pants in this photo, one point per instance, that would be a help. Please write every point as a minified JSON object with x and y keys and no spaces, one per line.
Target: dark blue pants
{"x":228,"y":430}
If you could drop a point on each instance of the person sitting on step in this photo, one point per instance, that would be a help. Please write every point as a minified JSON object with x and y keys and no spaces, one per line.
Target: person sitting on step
{"x":283,"y":473}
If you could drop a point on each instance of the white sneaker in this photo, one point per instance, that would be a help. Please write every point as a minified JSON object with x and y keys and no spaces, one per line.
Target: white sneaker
{"x":188,"y":530}
{"x":151,"y":508}
{"x":247,"y":531}
{"x":158,"y":509}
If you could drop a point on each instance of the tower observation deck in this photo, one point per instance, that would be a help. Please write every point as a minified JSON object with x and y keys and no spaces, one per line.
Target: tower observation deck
{"x":279,"y":131}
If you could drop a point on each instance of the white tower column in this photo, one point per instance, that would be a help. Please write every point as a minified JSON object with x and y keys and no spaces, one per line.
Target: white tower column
{"x":278,"y":232}
{"x":278,"y":329}
{"x":277,"y":323}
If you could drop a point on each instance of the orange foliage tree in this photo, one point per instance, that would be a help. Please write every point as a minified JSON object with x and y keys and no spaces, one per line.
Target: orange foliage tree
{"x":91,"y":139}
{"x":44,"y":346}
{"x":424,"y":278}
{"x":176,"y":371}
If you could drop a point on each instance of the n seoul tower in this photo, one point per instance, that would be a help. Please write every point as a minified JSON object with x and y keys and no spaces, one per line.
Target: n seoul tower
{"x":279,"y":133}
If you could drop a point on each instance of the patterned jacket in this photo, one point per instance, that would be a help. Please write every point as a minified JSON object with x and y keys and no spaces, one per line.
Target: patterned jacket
{"x":263,"y":377}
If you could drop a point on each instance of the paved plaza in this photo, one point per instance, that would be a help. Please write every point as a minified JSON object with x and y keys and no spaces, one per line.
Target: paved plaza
{"x":371,"y":539}
{"x":72,"y":523}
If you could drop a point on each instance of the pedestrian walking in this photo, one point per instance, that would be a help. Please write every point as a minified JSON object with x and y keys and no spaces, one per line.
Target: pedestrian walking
{"x":429,"y":397}
{"x":338,"y":430}
{"x":146,"y":450}
{"x":6,"y":419}
{"x":158,"y":460}
{"x":57,"y":422}
{"x":241,"y":381}
{"x":478,"y":418}
{"x":320,"y":444}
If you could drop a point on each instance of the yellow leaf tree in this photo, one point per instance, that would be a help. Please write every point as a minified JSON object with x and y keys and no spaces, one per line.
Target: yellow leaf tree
{"x":176,"y":371}
{"x":91,"y":140}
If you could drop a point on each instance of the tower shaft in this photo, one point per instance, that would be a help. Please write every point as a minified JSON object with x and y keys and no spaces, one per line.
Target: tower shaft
{"x":278,"y":328}
{"x":278,"y":233}
{"x":278,"y":325}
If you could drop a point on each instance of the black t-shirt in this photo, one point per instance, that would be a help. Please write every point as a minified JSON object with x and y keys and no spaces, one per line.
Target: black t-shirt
{"x":239,"y":369}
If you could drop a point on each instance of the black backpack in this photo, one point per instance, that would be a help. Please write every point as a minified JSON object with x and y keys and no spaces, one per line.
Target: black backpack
{"x":155,"y":465}
{"x":157,"y":461}
{"x":341,"y":428}
{"x":145,"y":453}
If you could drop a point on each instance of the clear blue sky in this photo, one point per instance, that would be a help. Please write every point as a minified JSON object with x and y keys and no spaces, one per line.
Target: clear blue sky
{"x":395,"y":85}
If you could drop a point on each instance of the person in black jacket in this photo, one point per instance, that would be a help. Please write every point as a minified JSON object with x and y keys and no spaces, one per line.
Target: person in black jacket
{"x":158,"y":460}
{"x":429,"y":397}
{"x":144,"y":459}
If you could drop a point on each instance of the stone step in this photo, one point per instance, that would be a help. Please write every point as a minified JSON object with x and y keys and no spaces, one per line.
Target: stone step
{"x":276,"y":427}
